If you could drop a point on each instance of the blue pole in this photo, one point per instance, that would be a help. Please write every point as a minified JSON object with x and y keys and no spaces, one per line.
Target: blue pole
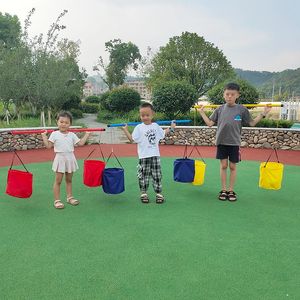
{"x":158,"y":122}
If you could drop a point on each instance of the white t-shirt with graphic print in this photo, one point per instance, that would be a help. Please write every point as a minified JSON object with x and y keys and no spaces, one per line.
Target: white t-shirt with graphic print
{"x":63,"y":142}
{"x":147,"y":137}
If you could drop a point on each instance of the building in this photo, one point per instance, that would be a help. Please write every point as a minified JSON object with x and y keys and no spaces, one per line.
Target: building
{"x":140,"y":87}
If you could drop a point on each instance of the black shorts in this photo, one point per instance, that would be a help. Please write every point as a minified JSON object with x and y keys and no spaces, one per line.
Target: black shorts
{"x":231,"y":152}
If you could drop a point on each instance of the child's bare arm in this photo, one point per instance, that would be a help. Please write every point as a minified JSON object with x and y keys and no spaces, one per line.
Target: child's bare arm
{"x":205,"y":118}
{"x":84,"y":139}
{"x":46,"y":142}
{"x":260,"y":116}
{"x":127,"y":133}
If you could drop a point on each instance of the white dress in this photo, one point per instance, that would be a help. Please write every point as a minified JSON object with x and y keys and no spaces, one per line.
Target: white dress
{"x":65,"y":160}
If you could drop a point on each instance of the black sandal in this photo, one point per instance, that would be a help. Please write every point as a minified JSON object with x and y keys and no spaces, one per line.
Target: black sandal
{"x":160,"y":199}
{"x":223,"y":196}
{"x":232,"y":196}
{"x":144,"y":198}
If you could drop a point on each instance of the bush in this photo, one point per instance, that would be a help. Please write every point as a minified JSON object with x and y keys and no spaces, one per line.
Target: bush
{"x":76,"y":113}
{"x":92,"y":99}
{"x":90,"y":108}
{"x":248,"y":93}
{"x":104,"y":100}
{"x":72,"y":102}
{"x":270,"y":123}
{"x":122,"y":99}
{"x":174,"y":97}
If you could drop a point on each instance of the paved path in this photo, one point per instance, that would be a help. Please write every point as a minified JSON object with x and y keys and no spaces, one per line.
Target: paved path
{"x":110,"y":136}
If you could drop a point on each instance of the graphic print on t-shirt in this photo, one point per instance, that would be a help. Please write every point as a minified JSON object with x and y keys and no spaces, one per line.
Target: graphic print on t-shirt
{"x":237,"y":118}
{"x":151,"y":136}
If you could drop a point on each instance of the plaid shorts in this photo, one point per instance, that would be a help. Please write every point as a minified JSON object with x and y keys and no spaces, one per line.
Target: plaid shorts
{"x":149,"y":167}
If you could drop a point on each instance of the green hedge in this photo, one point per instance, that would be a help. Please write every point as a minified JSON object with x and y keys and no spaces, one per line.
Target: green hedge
{"x":90,"y":108}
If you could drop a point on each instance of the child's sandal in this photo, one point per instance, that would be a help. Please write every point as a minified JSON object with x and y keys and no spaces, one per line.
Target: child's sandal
{"x":144,"y":198}
{"x":232,"y":196}
{"x":72,"y":201}
{"x":223,"y":196}
{"x":58,"y":204}
{"x":160,"y":199}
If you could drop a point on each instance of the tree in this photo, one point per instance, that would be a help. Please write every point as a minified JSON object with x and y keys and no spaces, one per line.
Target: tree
{"x":10,"y":30}
{"x":122,"y":99}
{"x":248,"y":93}
{"x":122,"y":57}
{"x":190,"y":58}
{"x":174,"y":97}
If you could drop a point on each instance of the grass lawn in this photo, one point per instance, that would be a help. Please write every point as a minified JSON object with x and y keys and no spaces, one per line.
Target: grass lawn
{"x":114,"y":247}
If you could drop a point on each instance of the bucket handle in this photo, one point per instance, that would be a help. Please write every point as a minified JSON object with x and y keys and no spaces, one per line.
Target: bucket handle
{"x":93,"y":152}
{"x":113,"y":153}
{"x":195,"y":147}
{"x":274,"y":150}
{"x":12,"y":162}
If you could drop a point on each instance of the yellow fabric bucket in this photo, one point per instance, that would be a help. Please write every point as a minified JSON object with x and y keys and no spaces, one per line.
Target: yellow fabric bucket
{"x":271,"y":174}
{"x":199,"y":172}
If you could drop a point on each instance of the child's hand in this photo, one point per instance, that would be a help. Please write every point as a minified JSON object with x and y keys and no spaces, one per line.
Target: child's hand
{"x":44,"y":133}
{"x":125,"y":128}
{"x":267,"y":109}
{"x":201,"y":108}
{"x":173,"y":124}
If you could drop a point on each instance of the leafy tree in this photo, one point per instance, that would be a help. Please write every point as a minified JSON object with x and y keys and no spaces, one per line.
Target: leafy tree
{"x":122,"y":99}
{"x":10,"y":30}
{"x":174,"y":97}
{"x":93,"y":99}
{"x":248,"y":93}
{"x":122,"y":57}
{"x":190,"y":58}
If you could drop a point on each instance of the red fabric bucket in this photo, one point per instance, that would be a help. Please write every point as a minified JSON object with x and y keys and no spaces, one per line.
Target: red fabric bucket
{"x":92,"y":172}
{"x":19,"y":183}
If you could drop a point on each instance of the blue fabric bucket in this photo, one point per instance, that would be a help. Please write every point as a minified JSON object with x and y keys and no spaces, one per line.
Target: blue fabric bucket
{"x":184,"y":170}
{"x":113,"y":180}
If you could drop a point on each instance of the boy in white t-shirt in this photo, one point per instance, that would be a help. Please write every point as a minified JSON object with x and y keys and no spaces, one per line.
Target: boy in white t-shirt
{"x":147,"y":135}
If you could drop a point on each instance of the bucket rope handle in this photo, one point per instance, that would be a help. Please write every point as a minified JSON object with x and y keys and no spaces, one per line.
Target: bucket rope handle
{"x":12,"y":162}
{"x":198,"y":151}
{"x":274,"y":150}
{"x":112,"y":153}
{"x":93,"y":152}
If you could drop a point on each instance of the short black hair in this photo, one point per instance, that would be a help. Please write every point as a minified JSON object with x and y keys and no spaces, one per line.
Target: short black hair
{"x":232,"y":86}
{"x":65,"y":114}
{"x":147,"y":104}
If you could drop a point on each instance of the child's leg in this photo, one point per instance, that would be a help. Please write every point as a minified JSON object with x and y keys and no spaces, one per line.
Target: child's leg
{"x":69,"y":177}
{"x":70,"y":198}
{"x":156,"y":174}
{"x":143,"y":174}
{"x":56,"y":185}
{"x":232,"y":167}
{"x":223,"y":173}
{"x":56,"y":190}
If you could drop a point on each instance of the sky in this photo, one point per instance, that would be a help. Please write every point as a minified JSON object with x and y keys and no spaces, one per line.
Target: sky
{"x":261,"y":35}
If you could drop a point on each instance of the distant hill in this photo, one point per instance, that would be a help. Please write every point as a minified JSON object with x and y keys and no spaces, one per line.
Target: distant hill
{"x":287,"y":81}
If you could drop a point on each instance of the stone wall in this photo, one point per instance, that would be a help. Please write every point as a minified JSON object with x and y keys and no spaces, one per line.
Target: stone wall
{"x":9,"y":141}
{"x":252,"y":137}
{"x":286,"y":139}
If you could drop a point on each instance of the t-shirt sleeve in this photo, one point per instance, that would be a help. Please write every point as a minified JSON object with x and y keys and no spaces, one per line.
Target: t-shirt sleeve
{"x":160,"y":133}
{"x":76,"y":139}
{"x":52,"y":137}
{"x":246,"y":117}
{"x":215,"y":115}
{"x":136,"y":134}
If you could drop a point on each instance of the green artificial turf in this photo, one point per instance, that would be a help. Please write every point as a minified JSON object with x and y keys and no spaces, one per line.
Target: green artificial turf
{"x":114,"y":247}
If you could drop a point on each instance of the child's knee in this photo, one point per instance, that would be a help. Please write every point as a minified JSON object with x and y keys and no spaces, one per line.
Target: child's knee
{"x":232,"y":166}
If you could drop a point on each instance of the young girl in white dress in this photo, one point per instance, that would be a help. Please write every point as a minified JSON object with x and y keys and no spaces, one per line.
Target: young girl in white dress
{"x":64,"y":162}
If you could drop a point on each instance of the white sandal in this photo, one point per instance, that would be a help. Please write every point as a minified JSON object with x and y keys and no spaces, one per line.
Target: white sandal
{"x":58,"y":204}
{"x":71,"y":200}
